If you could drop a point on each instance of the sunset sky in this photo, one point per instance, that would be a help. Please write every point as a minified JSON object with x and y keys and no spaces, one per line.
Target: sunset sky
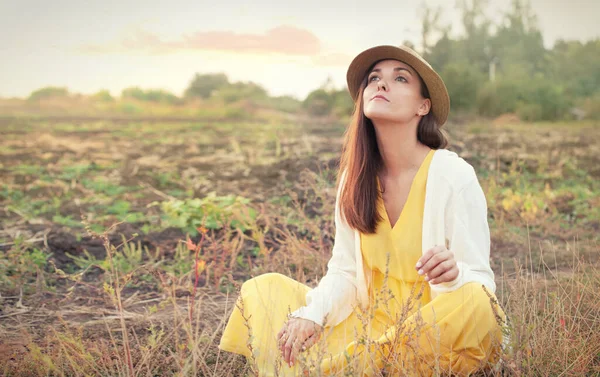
{"x":287,"y":47}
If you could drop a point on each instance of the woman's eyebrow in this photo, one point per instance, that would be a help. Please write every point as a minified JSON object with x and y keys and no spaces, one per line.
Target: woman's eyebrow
{"x":397,"y":69}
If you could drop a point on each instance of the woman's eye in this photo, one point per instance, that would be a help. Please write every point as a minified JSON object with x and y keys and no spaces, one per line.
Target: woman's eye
{"x":372,"y":77}
{"x":401,"y":78}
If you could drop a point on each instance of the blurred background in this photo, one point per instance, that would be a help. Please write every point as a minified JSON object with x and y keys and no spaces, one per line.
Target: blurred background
{"x":537,"y":59}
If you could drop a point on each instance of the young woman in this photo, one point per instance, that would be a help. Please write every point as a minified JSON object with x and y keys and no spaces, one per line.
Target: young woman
{"x":409,"y":287}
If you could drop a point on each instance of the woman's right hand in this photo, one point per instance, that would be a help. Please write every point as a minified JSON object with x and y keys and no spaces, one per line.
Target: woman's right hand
{"x":297,"y":334}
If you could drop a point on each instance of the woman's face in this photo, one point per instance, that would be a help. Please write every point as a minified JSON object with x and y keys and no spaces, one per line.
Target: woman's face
{"x":393,"y":93}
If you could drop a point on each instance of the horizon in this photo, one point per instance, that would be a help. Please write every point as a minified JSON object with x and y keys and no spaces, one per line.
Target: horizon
{"x":112,"y":46}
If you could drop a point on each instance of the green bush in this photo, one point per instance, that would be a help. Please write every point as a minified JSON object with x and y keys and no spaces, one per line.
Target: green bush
{"x":342,"y":103}
{"x":462,"y":82}
{"x":319,"y":102}
{"x":530,"y":111}
{"x":533,"y":99}
{"x":103,"y":96}
{"x":241,"y":91}
{"x":495,"y":98}
{"x":203,"y":86}
{"x":150,"y":95}
{"x":286,"y":104}
{"x":48,"y":92}
{"x":591,"y":106}
{"x":129,"y":108}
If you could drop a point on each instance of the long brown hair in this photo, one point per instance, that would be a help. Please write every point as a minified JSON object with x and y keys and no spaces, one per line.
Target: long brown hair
{"x":361,"y":161}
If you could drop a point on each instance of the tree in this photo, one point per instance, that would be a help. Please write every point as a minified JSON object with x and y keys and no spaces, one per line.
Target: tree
{"x":241,"y":90}
{"x":48,"y":92}
{"x":150,"y":95}
{"x":203,"y":86}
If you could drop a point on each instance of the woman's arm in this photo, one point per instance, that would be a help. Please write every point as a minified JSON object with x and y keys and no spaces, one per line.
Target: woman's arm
{"x":335,"y":295}
{"x":468,"y":235}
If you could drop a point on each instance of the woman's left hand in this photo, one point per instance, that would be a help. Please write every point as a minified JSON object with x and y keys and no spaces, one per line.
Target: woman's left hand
{"x":438,"y":265}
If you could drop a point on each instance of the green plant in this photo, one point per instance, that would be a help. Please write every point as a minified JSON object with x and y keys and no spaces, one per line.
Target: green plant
{"x":21,"y":265}
{"x":130,"y":256}
{"x":212,"y":212}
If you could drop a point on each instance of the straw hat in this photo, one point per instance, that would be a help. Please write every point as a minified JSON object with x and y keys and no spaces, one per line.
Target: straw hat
{"x":440,"y":101}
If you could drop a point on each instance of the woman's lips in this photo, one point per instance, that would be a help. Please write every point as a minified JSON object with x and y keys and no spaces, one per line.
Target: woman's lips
{"x":380,"y":97}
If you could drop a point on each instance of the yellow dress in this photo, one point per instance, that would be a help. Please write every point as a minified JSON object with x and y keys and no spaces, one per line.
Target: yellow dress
{"x":412,"y":335}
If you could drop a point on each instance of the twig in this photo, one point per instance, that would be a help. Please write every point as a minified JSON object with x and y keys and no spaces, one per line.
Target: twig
{"x":158,"y":192}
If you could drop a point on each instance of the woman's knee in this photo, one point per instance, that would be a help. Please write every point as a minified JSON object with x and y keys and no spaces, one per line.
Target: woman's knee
{"x":263,"y":281}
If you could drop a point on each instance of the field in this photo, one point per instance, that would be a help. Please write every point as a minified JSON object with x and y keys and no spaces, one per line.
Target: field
{"x":97,"y":276}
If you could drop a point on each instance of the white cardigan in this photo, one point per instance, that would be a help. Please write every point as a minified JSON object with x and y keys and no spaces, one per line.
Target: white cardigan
{"x":455,"y":214}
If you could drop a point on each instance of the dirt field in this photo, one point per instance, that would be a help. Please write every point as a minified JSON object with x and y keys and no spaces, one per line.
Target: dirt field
{"x":273,"y":187}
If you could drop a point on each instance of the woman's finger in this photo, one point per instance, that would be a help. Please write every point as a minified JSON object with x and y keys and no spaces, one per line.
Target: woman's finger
{"x":433,"y":262}
{"x":281,"y":332}
{"x":287,"y":348}
{"x":310,"y":341}
{"x":282,"y":339}
{"x":296,"y":346}
{"x":441,"y":268}
{"x":447,"y":276}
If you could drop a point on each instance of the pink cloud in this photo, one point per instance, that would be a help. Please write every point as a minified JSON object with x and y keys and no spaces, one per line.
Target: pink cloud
{"x":287,"y":40}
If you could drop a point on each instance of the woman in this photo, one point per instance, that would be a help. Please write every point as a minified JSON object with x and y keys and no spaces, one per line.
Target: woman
{"x":409,"y":287}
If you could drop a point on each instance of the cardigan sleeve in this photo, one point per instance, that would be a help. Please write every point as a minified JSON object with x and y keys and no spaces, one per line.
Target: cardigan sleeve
{"x":468,"y":235}
{"x":336,"y":293}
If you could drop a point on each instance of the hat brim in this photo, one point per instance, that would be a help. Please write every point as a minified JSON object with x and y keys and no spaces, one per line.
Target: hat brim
{"x":440,"y":100}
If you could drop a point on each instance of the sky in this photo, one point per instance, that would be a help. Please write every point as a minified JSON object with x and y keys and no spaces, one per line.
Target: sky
{"x":288,"y":47}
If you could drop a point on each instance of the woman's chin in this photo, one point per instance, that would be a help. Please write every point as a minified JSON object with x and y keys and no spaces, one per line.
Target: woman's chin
{"x":376,"y":115}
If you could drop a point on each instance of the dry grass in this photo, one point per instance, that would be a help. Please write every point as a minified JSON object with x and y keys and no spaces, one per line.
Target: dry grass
{"x":148,"y":320}
{"x":554,"y":313}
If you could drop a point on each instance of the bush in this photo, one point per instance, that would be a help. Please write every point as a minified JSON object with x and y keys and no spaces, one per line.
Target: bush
{"x":535,"y":99}
{"x":318,"y":102}
{"x":203,"y":86}
{"x":529,"y":111}
{"x":48,"y":92}
{"x":462,"y":82}
{"x":212,"y":212}
{"x":342,"y":103}
{"x":129,"y":108}
{"x":286,"y":104}
{"x":150,"y":95}
{"x":103,"y":96}
{"x":241,"y":91}
{"x":591,"y":106}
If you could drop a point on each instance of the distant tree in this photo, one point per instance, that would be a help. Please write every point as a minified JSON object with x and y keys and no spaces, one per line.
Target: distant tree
{"x":318,"y":102}
{"x":342,"y":103}
{"x":576,"y":66}
{"x":202,"y":86}
{"x":234,"y":92}
{"x":286,"y":104}
{"x":133,"y":92}
{"x":103,"y":96}
{"x":462,"y":82}
{"x":430,"y":24}
{"x":48,"y":92}
{"x":518,"y":41}
{"x":150,"y":95}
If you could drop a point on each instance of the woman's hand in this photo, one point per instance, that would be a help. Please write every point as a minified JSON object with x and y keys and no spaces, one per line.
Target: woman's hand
{"x":297,"y":334}
{"x":438,"y":265}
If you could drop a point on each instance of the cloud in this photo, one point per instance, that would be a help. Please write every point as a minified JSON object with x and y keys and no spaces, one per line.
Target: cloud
{"x":286,"y":40}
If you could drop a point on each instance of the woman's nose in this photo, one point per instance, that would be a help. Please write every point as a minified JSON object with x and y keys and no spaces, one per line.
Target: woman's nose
{"x":381,"y":84}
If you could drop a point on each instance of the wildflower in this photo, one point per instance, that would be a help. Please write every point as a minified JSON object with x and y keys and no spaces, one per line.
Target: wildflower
{"x":190,"y":245}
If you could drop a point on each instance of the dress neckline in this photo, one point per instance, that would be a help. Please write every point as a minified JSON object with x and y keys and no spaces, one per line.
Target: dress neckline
{"x":410,"y":193}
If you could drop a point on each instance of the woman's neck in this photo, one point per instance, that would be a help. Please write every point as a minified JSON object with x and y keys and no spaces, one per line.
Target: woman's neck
{"x":399,"y":148}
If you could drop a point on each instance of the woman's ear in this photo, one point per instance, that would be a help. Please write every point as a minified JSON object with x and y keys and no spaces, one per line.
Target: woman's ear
{"x":425,"y":107}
